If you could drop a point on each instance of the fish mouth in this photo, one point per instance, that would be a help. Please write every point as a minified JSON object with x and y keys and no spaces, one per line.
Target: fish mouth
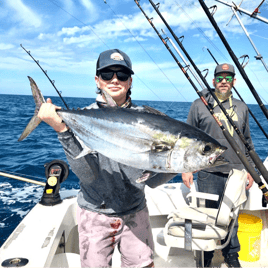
{"x":217,"y":161}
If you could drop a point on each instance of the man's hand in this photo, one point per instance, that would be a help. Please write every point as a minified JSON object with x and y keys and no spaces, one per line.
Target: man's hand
{"x":250,"y":181}
{"x":47,"y":113}
{"x":188,"y":179}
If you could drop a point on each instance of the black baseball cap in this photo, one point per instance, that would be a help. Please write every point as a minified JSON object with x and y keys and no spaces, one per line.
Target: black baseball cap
{"x":224,"y":68}
{"x":113,"y":57}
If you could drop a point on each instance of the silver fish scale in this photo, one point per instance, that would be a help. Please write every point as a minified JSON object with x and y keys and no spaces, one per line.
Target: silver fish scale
{"x":129,"y":137}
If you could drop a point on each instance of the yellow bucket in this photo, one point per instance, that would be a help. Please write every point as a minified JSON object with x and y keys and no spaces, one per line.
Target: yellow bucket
{"x":249,"y":235}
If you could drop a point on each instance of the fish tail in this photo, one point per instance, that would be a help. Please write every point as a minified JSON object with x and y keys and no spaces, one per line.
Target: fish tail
{"x":35,"y":121}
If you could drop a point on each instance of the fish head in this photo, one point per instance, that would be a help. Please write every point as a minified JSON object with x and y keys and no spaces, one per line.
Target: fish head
{"x":194,"y":155}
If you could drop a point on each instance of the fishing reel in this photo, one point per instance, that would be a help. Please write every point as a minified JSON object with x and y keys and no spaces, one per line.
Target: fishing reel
{"x":56,"y":172}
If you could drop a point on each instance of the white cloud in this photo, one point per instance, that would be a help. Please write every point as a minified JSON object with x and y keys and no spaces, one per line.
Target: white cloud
{"x":87,"y":4}
{"x":24,"y":14}
{"x":70,"y":30}
{"x":44,"y":36}
{"x":6,"y":46}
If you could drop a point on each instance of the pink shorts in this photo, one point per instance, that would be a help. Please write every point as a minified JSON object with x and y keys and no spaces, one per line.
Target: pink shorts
{"x":99,"y":234}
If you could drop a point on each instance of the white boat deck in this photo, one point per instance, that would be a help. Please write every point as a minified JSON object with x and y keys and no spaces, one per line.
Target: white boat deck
{"x":40,"y":236}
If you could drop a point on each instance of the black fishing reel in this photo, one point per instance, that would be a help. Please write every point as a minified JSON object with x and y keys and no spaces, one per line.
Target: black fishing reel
{"x":56,"y":172}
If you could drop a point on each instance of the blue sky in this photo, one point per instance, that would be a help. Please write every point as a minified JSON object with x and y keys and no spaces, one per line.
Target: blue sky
{"x":66,"y":36}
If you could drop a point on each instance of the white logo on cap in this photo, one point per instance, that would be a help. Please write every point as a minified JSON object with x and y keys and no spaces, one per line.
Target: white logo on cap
{"x":116,"y":56}
{"x":225,"y":67}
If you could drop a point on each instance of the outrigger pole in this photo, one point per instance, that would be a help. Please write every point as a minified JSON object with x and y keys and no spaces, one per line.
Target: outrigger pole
{"x":227,"y":135}
{"x":259,"y":56}
{"x":251,"y":14}
{"x":233,"y":56}
{"x":45,"y":72}
{"x":257,"y":122}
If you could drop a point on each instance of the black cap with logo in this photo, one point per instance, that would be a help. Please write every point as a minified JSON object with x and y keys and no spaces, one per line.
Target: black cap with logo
{"x":113,"y":57}
{"x":224,"y":68}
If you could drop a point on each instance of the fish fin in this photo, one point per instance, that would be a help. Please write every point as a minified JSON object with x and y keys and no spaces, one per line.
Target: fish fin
{"x":146,"y":175}
{"x":152,"y":110}
{"x":84,"y":152}
{"x":35,"y":121}
{"x":161,"y":146}
{"x":109,"y":100}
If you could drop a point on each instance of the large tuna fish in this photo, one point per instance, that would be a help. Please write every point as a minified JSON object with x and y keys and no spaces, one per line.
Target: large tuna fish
{"x":141,"y":138}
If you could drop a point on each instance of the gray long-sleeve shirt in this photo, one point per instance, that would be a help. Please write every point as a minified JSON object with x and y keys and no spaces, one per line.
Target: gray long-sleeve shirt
{"x":200,"y":117}
{"x":107,"y":186}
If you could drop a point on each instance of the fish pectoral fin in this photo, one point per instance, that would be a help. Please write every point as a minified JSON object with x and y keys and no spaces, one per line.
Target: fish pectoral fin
{"x":152,"y":110}
{"x":161,"y":146}
{"x":109,"y":100}
{"x":84,"y":152}
{"x":146,"y":175}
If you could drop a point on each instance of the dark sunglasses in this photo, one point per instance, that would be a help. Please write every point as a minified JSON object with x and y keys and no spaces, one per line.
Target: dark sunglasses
{"x":228,"y":79}
{"x":108,"y":75}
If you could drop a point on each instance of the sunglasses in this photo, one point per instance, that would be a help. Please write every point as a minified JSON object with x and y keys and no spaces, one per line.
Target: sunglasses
{"x":108,"y":75}
{"x":228,"y":79}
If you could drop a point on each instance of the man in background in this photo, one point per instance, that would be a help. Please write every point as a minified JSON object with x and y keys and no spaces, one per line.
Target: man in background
{"x":213,"y":180}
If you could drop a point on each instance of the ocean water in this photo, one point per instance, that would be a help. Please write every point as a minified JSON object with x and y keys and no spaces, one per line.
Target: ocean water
{"x":27,"y":158}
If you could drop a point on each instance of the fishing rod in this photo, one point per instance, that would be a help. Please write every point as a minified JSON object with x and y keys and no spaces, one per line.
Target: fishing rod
{"x":251,"y":14}
{"x":259,"y":56}
{"x":257,"y":122}
{"x":200,"y":83}
{"x":3,"y":174}
{"x":250,"y":150}
{"x":185,"y":62}
{"x":233,"y":56}
{"x":45,"y":72}
{"x":226,"y":133}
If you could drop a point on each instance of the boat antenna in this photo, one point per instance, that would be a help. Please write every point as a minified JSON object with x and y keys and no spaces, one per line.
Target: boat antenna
{"x":256,"y":120}
{"x":45,"y":72}
{"x":226,"y":133}
{"x":234,"y":58}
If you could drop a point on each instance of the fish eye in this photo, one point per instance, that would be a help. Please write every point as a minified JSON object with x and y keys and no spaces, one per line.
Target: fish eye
{"x":206,"y":149}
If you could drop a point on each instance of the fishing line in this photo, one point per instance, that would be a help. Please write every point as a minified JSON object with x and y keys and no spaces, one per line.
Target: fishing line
{"x":56,"y":4}
{"x":45,"y":72}
{"x":227,"y":135}
{"x":52,"y":1}
{"x":200,"y":30}
{"x":211,"y":42}
{"x":147,"y":54}
{"x":257,"y":122}
{"x":264,"y":89}
{"x":259,"y":36}
{"x":234,"y":58}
